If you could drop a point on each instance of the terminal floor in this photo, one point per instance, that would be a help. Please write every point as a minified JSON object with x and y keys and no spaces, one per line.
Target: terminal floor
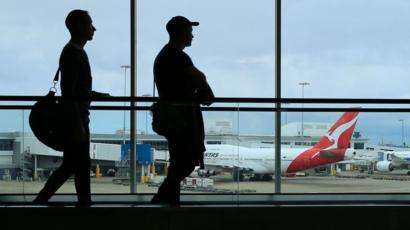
{"x":207,"y":217}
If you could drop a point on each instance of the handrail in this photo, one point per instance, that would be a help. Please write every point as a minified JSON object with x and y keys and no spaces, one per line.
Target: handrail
{"x":235,"y":100}
{"x":235,"y":109}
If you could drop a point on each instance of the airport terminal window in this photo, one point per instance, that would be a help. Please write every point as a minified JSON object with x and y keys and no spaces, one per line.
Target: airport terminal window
{"x":366,"y":51}
{"x":251,"y":65}
{"x":36,"y":35}
{"x":310,"y":65}
{"x":6,"y":145}
{"x":358,"y":146}
{"x":214,"y":142}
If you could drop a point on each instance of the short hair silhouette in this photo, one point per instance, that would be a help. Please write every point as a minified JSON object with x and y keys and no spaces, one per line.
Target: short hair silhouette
{"x":76,"y":17}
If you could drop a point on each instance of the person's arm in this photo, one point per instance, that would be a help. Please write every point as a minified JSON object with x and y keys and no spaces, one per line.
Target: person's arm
{"x":95,"y":94}
{"x":198,"y":80}
{"x":205,"y":95}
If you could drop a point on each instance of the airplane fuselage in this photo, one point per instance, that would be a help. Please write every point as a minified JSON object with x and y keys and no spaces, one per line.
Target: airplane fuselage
{"x":262,"y":160}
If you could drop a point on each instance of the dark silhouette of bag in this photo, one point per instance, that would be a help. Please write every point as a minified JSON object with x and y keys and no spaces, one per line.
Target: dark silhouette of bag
{"x":44,"y":122}
{"x":168,"y":119}
{"x":55,"y":123}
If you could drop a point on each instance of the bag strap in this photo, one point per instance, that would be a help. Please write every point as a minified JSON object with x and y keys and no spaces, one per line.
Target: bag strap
{"x":56,"y":76}
{"x":55,"y":81}
{"x":153,"y":88}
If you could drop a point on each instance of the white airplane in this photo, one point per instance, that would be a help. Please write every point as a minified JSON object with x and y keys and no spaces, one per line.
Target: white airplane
{"x":332,"y":147}
{"x":393,"y":160}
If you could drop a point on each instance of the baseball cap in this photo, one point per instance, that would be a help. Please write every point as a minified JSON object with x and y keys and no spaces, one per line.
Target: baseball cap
{"x":179,"y":22}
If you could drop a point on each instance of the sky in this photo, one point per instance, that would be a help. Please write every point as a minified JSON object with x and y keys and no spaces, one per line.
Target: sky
{"x":343,"y":48}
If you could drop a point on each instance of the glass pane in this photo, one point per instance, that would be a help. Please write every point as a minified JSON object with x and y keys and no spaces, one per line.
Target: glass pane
{"x":346,"y":153}
{"x":152,"y":154}
{"x":239,"y":156}
{"x":12,"y":152}
{"x":110,"y":134}
{"x":234,"y":44}
{"x":33,"y":162}
{"x":36,"y":34}
{"x":256,"y":152}
{"x":348,"y":46}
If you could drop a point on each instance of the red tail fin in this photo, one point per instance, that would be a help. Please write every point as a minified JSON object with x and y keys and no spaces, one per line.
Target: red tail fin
{"x":339,"y":135}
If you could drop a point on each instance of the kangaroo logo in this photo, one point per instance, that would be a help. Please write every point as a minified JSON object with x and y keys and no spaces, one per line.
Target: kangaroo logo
{"x":335,"y":138}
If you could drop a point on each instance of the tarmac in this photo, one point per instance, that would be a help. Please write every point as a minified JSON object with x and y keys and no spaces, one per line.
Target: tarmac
{"x":309,"y":184}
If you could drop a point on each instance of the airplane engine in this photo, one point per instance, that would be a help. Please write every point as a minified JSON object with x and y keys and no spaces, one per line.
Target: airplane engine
{"x":384,"y":166}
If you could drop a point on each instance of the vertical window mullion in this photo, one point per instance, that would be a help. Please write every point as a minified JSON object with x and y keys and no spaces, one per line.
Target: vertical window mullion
{"x":278,"y":95}
{"x":133,"y":126}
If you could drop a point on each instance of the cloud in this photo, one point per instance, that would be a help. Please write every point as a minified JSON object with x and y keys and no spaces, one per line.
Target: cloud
{"x":344,"y":78}
{"x":257,"y":60}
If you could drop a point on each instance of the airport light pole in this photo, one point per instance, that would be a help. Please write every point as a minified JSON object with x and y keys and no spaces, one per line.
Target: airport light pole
{"x":146,"y":114}
{"x":303,"y":84}
{"x":402,"y":132}
{"x":125,"y":67}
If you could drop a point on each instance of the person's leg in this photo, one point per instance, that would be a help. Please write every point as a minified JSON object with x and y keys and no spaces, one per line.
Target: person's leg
{"x":163,"y":191}
{"x":57,"y":179}
{"x":183,"y":168}
{"x":169,"y":191}
{"x":82,"y":174}
{"x":180,"y":167}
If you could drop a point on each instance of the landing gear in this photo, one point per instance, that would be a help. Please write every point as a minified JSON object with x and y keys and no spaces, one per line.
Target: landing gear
{"x":256,"y":177}
{"x":261,"y":177}
{"x":237,"y":175}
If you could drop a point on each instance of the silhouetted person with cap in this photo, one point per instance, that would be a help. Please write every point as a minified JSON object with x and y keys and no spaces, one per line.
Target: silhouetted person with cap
{"x":76,"y":82}
{"x":179,"y":81}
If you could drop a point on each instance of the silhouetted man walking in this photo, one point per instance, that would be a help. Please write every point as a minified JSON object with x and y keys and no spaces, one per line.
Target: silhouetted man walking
{"x":76,"y":81}
{"x":181,"y":83}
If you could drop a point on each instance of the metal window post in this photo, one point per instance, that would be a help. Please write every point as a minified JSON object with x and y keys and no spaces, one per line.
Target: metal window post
{"x":133,"y":126}
{"x":278,"y":9}
{"x":125,"y":67}
{"x":402,"y":132}
{"x":303,"y":84}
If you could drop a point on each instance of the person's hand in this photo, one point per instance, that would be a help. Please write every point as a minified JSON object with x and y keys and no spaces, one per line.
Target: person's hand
{"x":105,"y":95}
{"x":98,"y":94}
{"x":207,"y":102}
